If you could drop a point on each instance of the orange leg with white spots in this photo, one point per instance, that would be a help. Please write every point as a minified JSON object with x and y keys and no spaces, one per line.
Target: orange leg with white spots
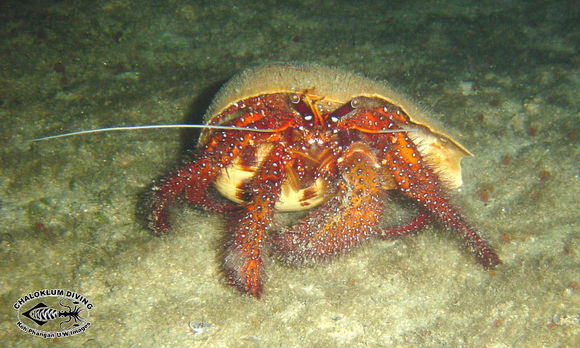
{"x":244,"y":258}
{"x":186,"y":179}
{"x":420,"y":183}
{"x":413,"y":177}
{"x":219,"y":151}
{"x":423,"y":219}
{"x":348,"y":218}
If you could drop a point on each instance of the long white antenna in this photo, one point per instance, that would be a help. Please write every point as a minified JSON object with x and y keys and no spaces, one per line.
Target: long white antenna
{"x":197,"y":126}
{"x":153,"y":126}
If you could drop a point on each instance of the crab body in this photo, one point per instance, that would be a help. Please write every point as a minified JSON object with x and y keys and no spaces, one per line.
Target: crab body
{"x":324,"y":139}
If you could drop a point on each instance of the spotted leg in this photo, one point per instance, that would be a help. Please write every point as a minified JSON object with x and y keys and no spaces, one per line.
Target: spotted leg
{"x":399,"y":154}
{"x":194,"y":179}
{"x":217,"y":153}
{"x":418,"y":181}
{"x":418,"y":222}
{"x":345,"y":220}
{"x":244,"y":259}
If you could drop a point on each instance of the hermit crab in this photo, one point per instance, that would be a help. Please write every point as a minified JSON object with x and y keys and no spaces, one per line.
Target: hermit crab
{"x":288,"y":137}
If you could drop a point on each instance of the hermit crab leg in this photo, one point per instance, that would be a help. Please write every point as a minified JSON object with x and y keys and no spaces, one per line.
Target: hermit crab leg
{"x":244,"y":259}
{"x":196,"y":177}
{"x":418,"y":222}
{"x":186,"y":179}
{"x":345,"y":220}
{"x":422,"y":184}
{"x":412,"y":175}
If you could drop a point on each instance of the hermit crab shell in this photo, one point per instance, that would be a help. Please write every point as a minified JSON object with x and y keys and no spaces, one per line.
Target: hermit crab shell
{"x":334,"y":87}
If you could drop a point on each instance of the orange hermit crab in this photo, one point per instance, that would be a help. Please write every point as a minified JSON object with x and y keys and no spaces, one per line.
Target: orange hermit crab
{"x":298,"y":136}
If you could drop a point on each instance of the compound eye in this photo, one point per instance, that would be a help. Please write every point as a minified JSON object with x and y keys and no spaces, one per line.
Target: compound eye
{"x":295,"y":98}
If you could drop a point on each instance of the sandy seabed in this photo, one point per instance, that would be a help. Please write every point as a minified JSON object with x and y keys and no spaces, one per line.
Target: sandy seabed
{"x":505,"y":78}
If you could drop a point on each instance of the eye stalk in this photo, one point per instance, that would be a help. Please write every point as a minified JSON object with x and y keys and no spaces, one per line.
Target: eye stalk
{"x":347,"y":107}
{"x":302,"y":106}
{"x":306,"y":107}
